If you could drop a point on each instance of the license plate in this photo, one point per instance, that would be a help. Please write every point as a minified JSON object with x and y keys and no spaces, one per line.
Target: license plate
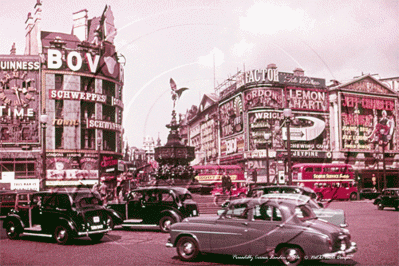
{"x":96,"y":219}
{"x":96,"y":227}
{"x":194,"y":212}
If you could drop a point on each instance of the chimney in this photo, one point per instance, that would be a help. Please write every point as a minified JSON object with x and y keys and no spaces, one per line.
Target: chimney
{"x":28,"y":30}
{"x":33,"y":42}
{"x":13,"y":49}
{"x":299,"y":72}
{"x":80,"y":24}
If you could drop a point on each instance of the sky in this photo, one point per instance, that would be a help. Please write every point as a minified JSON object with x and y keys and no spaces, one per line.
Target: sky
{"x":201,"y":43}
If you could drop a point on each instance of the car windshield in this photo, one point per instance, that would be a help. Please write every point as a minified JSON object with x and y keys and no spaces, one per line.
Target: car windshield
{"x":86,"y":200}
{"x":304,"y":213}
{"x":185,"y":196}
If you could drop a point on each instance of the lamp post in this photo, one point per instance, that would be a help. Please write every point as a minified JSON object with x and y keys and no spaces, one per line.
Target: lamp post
{"x":288,"y":114}
{"x":99,"y":161}
{"x":267,"y":137}
{"x":43,"y":121}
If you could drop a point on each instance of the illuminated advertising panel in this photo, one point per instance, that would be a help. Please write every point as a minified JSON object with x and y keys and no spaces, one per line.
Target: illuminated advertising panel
{"x":232,"y":145}
{"x":308,"y":99}
{"x":263,"y":97}
{"x":308,"y":132}
{"x":19,"y":99}
{"x":368,"y":122}
{"x":231,"y":116}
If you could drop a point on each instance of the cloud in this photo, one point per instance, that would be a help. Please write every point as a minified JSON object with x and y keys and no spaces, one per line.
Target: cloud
{"x":269,"y":18}
{"x":214,"y":58}
{"x":242,"y":48}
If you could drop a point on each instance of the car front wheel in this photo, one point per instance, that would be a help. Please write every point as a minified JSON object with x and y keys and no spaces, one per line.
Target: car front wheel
{"x":96,"y":237}
{"x":12,"y":230}
{"x":353,"y":196}
{"x":290,"y":255}
{"x":61,"y":235}
{"x":187,"y":248}
{"x":165,"y":223}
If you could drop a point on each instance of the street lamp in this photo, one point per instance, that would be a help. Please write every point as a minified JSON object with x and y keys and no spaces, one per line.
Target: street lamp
{"x":43,"y":121}
{"x":288,"y":114}
{"x":99,"y":161}
{"x":267,"y":137}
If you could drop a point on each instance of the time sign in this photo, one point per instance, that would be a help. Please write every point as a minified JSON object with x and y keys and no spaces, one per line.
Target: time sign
{"x":17,"y":91}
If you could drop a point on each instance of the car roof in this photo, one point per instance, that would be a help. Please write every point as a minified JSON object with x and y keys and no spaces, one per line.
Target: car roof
{"x":280,"y":201}
{"x":299,"y":197}
{"x":180,"y":190}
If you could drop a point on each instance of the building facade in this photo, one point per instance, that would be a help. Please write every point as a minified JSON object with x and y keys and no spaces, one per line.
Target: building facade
{"x":252,"y":126}
{"x":73,"y":88}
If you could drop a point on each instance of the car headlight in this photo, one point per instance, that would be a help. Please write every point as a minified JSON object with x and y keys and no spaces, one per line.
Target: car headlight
{"x":343,"y":245}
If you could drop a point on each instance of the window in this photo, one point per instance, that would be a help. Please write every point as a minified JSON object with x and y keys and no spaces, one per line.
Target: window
{"x":87,"y":138}
{"x":237,"y":211}
{"x":309,"y":169}
{"x":59,"y":109}
{"x":166,"y":197}
{"x":108,"y":88}
{"x":59,"y":79}
{"x":87,"y":84}
{"x":263,"y":212}
{"x":59,"y":137}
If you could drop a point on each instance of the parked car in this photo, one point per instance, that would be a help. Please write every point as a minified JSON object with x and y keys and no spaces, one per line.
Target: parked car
{"x":261,"y":190}
{"x":389,"y":198}
{"x":10,"y":199}
{"x":61,"y":215}
{"x":162,"y":206}
{"x":285,"y":229}
{"x":368,"y":193}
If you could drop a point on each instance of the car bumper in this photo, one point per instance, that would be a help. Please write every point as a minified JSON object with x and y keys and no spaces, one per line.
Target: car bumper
{"x":93,"y":232}
{"x":169,"y":244}
{"x":342,"y":254}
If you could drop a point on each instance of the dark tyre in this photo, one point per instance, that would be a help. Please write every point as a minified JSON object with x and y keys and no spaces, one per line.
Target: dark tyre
{"x":165,"y":223}
{"x":12,"y":229}
{"x":353,"y":196}
{"x":319,"y":196}
{"x":62,"y":235}
{"x":187,"y":248}
{"x":380,"y":206}
{"x":96,"y":237}
{"x":290,"y":255}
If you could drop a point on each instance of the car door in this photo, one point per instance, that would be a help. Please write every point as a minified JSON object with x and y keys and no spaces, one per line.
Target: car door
{"x":386,"y":194}
{"x":136,"y":205}
{"x":229,"y":235}
{"x":263,"y":229}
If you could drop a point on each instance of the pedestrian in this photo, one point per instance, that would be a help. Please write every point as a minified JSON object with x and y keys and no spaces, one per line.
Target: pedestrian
{"x":224,"y":183}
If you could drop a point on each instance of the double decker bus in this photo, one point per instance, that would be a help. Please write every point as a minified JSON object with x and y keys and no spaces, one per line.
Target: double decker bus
{"x":328,"y":180}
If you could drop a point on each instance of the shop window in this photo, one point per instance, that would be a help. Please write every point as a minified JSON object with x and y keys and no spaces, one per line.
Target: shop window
{"x":59,"y":80}
{"x":87,"y":111}
{"x":59,"y":137}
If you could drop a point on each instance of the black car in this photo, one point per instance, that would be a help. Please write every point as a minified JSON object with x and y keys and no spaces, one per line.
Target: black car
{"x":368,"y":193}
{"x":161,"y":206}
{"x":61,"y":215}
{"x":261,"y":190}
{"x":389,"y":198}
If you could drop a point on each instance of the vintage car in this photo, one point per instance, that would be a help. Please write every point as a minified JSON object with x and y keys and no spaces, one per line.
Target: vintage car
{"x":61,"y":215}
{"x":368,"y":193}
{"x":283,"y":189}
{"x":334,"y":216}
{"x":389,"y":198}
{"x":266,"y":228}
{"x":161,"y":206}
{"x":10,"y":199}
